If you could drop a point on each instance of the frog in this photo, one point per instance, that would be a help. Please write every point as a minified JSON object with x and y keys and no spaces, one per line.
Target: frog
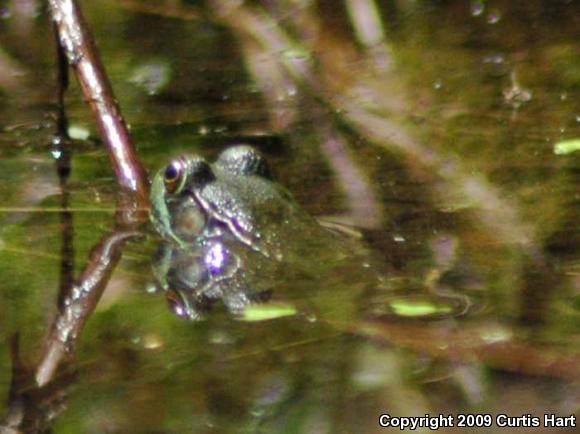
{"x":232,"y":233}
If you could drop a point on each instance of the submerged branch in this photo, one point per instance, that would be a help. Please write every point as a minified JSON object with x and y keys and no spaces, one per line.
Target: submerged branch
{"x":368,"y":27}
{"x":365,"y":209}
{"x":471,"y":344}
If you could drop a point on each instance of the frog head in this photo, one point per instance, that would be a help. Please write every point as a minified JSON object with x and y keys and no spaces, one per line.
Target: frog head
{"x":193,"y":200}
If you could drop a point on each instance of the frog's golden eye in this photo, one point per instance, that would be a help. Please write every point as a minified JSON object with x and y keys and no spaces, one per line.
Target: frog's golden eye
{"x":173,"y":176}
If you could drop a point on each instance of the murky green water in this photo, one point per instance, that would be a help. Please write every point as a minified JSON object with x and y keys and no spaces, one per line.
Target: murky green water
{"x":437,"y":140}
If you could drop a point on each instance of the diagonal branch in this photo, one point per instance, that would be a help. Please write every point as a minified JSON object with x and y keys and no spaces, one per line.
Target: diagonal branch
{"x":80,"y":50}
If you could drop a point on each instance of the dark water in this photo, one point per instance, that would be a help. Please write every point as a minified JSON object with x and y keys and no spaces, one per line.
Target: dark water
{"x":436,"y":138}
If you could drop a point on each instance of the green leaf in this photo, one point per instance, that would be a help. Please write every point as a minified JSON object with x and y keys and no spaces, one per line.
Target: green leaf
{"x":414,"y":308}
{"x":266,"y":311}
{"x":566,"y":146}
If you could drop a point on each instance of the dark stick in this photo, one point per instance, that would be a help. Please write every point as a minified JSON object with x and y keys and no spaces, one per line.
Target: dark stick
{"x":61,"y":151}
{"x":62,"y":86}
{"x":82,"y":55}
{"x":67,"y":251}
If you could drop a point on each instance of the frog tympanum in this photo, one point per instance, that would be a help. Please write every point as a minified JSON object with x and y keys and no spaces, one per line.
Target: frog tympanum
{"x":232,"y":233}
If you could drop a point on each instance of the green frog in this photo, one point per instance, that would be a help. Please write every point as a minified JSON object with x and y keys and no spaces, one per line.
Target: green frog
{"x":234,"y":234}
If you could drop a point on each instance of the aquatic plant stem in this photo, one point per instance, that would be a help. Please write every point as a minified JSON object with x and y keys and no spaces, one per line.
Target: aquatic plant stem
{"x":80,"y":50}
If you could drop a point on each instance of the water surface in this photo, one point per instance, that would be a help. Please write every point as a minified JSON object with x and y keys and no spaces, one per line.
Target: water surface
{"x":435,"y":137}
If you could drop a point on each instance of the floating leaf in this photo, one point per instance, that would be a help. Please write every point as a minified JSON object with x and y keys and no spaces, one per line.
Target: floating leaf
{"x":418,"y":308}
{"x":566,"y":146}
{"x":266,"y":311}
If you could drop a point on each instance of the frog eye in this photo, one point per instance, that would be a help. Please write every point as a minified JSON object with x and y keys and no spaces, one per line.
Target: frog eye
{"x":173,"y":176}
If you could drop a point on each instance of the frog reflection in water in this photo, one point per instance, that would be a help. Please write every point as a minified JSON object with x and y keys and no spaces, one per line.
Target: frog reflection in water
{"x":233,"y":234}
